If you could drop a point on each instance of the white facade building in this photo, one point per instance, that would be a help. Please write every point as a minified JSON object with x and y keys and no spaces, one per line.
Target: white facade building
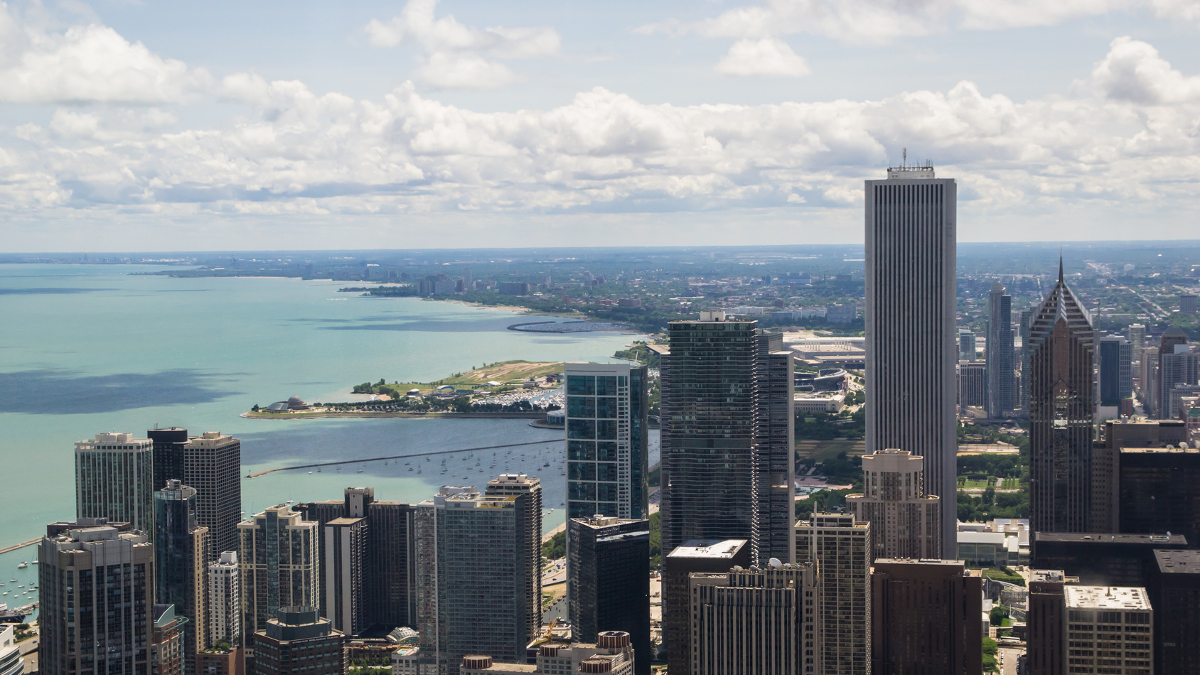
{"x":225,"y":599}
{"x":1108,"y":630}
{"x":11,"y":662}
{"x":911,"y":238}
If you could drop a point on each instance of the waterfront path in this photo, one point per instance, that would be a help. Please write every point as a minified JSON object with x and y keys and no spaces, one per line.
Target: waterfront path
{"x":380,"y":459}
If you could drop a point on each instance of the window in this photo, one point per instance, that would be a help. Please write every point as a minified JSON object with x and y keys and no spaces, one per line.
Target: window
{"x":606,"y":385}
{"x":581,"y":471}
{"x":585,"y":450}
{"x":606,"y":429}
{"x":606,"y":451}
{"x":581,"y":385}
{"x":581,"y":429}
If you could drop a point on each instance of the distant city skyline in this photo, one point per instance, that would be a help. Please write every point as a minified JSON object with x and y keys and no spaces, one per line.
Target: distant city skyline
{"x":163,"y":127}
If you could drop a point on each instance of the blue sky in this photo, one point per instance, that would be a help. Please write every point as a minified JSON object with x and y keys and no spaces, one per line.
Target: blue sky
{"x":190,"y":126}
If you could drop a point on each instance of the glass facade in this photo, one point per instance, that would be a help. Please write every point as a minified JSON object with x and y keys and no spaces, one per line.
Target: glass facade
{"x":606,"y":440}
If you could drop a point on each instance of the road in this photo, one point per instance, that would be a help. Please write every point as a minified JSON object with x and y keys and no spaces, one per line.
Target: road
{"x":1009,"y":666}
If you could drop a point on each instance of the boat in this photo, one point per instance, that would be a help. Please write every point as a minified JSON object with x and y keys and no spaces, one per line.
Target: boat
{"x":14,"y":615}
{"x":35,"y":562}
{"x":410,"y":468}
{"x":291,"y":501}
{"x":23,"y":565}
{"x":310,"y":472}
{"x":360,"y":471}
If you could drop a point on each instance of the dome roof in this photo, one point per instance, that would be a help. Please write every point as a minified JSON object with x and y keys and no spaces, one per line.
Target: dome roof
{"x":295,"y":399}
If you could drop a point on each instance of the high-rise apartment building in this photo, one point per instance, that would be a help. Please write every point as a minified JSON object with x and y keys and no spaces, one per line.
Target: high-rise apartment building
{"x":905,"y":521}
{"x":966,"y":345}
{"x":114,"y":476}
{"x":225,"y":600}
{"x":607,"y":440}
{"x":96,"y":588}
{"x":297,"y":641}
{"x":343,"y":587}
{"x":1109,"y":630}
{"x":1000,"y":353}
{"x":840,"y":545}
{"x":388,"y":565}
{"x":1174,"y":592}
{"x":180,"y":565}
{"x":694,"y":556}
{"x":478,"y":582}
{"x":1171,"y":337}
{"x":168,"y":647}
{"x":278,"y":558}
{"x":1046,"y":645}
{"x":1061,"y":398}
{"x":925,"y":617}
{"x":211,"y":463}
{"x":911,"y":238}
{"x":755,"y":620}
{"x":727,"y":446}
{"x":608,"y":579}
{"x":1116,"y":370}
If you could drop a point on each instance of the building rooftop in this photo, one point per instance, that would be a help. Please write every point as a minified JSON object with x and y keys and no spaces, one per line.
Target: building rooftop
{"x":1106,"y":597}
{"x":708,"y":548}
{"x":1172,"y":540}
{"x":1178,"y":562}
{"x":1161,"y":451}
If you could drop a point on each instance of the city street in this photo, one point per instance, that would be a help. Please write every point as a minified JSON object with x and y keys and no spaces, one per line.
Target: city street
{"x":1009,"y":665}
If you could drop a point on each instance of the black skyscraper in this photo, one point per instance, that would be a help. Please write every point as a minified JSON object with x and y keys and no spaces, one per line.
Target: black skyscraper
{"x":212,"y":465}
{"x":609,"y":577}
{"x":181,"y":564}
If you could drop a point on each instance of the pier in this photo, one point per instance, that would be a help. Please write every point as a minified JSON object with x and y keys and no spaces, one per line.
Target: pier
{"x":256,"y":474}
{"x":14,"y":547}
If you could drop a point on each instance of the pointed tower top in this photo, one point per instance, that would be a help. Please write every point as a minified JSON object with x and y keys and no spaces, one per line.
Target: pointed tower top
{"x":1060,"y":271}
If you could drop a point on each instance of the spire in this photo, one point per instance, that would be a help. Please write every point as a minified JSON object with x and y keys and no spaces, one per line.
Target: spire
{"x":1060,"y":275}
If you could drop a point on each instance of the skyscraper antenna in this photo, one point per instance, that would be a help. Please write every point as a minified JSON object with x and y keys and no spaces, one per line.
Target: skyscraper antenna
{"x":904,"y":157}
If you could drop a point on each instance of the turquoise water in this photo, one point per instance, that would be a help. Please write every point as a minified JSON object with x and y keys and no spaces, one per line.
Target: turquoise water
{"x":91,"y":348}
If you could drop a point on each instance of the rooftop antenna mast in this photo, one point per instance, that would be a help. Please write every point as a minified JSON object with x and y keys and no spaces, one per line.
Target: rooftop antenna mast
{"x":904,"y":157}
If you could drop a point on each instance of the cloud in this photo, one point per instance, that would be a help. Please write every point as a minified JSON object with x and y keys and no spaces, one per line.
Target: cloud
{"x":884,"y":21}
{"x":86,"y":63}
{"x":764,"y":57}
{"x":1126,"y":135}
{"x":453,"y":54}
{"x":1133,"y":71}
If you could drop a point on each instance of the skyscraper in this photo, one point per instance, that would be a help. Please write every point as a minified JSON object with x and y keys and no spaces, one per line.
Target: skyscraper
{"x":1178,"y":376}
{"x":343,"y":591}
{"x":210,"y":463}
{"x":225,"y":600}
{"x":755,"y":621}
{"x":1061,"y":397}
{"x":925,"y":617}
{"x":1046,"y":652}
{"x":972,"y":385}
{"x":905,"y":521}
{"x":96,"y":588}
{"x":841,"y":547}
{"x":114,"y":476}
{"x":279,"y":565}
{"x":478,"y":590}
{"x":911,"y":220}
{"x":695,"y":555}
{"x":1103,"y":621}
{"x":727,"y":447}
{"x":608,"y":577}
{"x":1171,"y":337}
{"x":999,"y":353}
{"x":388,"y":566}
{"x":1174,"y":592}
{"x":180,"y":562}
{"x":966,"y":345}
{"x":1116,"y":370}
{"x":1026,"y":352}
{"x":1137,"y":338}
{"x":607,"y":438}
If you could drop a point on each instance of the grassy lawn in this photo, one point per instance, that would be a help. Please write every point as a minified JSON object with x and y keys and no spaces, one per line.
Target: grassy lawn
{"x":822,"y":450}
{"x":972,"y":484}
{"x":505,"y":371}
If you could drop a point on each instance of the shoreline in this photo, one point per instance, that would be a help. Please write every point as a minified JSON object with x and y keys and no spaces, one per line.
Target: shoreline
{"x":433,"y":415}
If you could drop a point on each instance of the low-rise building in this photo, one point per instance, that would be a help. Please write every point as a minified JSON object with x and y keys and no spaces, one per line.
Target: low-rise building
{"x":406,"y":661}
{"x":221,"y":659}
{"x":167,"y":653}
{"x":820,"y":403}
{"x":611,"y":653}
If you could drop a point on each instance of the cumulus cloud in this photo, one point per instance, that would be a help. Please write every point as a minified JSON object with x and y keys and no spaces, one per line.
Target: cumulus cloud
{"x":1133,"y":71}
{"x":86,"y":63}
{"x":883,"y":21}
{"x":1128,"y":134}
{"x":764,"y":57}
{"x":453,"y":54}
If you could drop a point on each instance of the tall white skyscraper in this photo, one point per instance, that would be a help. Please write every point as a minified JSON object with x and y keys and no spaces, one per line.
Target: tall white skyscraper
{"x":225,"y":599}
{"x":910,"y":326}
{"x":114,"y":475}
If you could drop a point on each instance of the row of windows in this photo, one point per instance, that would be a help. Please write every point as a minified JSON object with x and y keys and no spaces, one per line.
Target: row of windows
{"x":604,"y":451}
{"x":595,"y":385}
